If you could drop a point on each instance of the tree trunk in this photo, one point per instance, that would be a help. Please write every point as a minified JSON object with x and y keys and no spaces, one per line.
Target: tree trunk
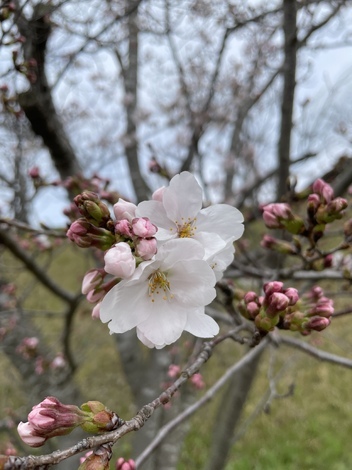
{"x":289,"y":84}
{"x":229,"y":413}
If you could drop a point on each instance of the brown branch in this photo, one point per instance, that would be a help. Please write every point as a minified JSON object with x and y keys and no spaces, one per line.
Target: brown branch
{"x":209,"y":395}
{"x":35,"y":269}
{"x":137,"y":422}
{"x":312,"y":351}
{"x":287,"y":100}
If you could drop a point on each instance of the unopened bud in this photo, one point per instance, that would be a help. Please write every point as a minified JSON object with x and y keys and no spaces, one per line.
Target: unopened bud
{"x":123,"y":464}
{"x":124,"y":210}
{"x":316,"y":323}
{"x":324,"y":190}
{"x":98,"y":460}
{"x":292,"y":295}
{"x":280,"y":246}
{"x":123,"y":227}
{"x":92,"y":279}
{"x":143,"y":228}
{"x":146,"y":248}
{"x":99,"y":418}
{"x":91,"y":207}
{"x":277,"y":303}
{"x":273,"y":286}
{"x":265,"y":323}
{"x":119,"y":261}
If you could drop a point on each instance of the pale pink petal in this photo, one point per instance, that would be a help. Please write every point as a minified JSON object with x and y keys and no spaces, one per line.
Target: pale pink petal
{"x":124,"y":307}
{"x":222,"y":219}
{"x":146,"y":341}
{"x":183,"y":197}
{"x":179,"y":249}
{"x":192,"y":283}
{"x":165,"y":324}
{"x":156,"y":213}
{"x":201,"y":325}
{"x":211,"y":242}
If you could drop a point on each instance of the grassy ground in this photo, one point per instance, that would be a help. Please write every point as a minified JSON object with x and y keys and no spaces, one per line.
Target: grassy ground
{"x":310,"y":429}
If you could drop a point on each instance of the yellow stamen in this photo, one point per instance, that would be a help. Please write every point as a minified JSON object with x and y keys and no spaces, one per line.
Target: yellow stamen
{"x":157,"y":284}
{"x":187,"y":229}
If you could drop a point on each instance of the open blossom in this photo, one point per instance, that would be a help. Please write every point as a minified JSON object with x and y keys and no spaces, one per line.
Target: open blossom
{"x":180,"y":215}
{"x":164,"y":296}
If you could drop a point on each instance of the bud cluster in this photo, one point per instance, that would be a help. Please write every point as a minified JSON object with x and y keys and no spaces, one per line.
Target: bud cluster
{"x":322,"y":208}
{"x":52,"y":418}
{"x":127,"y":241}
{"x":284,"y":309}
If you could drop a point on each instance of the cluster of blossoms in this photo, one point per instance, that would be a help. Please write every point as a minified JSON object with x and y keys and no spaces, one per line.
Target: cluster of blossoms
{"x":52,"y":418}
{"x":284,"y":309}
{"x":166,"y":256}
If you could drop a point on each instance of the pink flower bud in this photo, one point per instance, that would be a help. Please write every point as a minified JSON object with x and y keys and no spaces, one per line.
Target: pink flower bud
{"x":270,"y":220}
{"x":317,"y":323}
{"x":146,"y":248}
{"x":123,"y":464}
{"x":158,"y":194}
{"x":96,"y":311}
{"x":124,"y":227}
{"x":313,"y":203}
{"x":275,"y":213}
{"x":143,"y":228}
{"x":292,"y":295}
{"x":197,"y":381}
{"x":97,"y":460}
{"x":29,"y":436}
{"x":86,"y":455}
{"x":271,"y":287}
{"x":95,"y":295}
{"x":324,"y":308}
{"x":52,"y":418}
{"x":253,"y":309}
{"x":120,"y":261}
{"x":277,"y":302}
{"x":324,"y":190}
{"x":34,"y":172}
{"x":124,"y":210}
{"x":92,"y":279}
{"x":250,"y":297}
{"x":173,"y":371}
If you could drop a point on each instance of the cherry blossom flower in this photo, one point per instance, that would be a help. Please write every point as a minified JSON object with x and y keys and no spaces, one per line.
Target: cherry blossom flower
{"x":164,"y":296}
{"x":178,"y":213}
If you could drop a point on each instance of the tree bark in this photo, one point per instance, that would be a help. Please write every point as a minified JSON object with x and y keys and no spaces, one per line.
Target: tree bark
{"x":37,"y":102}
{"x":131,"y":89}
{"x":287,"y":100}
{"x":229,"y":413}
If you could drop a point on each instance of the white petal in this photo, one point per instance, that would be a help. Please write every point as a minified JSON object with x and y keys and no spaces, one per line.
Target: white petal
{"x":165,"y":324}
{"x":222,"y":219}
{"x":156,"y":213}
{"x":192,"y":283}
{"x":144,"y":340}
{"x":201,"y":325}
{"x":211,"y":242}
{"x":179,"y":249}
{"x":183,"y":197}
{"x":125,"y":306}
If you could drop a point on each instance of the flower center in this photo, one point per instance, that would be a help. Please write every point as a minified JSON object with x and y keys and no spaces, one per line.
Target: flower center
{"x":186,"y":229}
{"x":158,"y":284}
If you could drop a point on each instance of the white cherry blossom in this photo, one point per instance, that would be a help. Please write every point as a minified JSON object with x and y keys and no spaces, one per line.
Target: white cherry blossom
{"x":178,"y":213}
{"x":164,"y":296}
